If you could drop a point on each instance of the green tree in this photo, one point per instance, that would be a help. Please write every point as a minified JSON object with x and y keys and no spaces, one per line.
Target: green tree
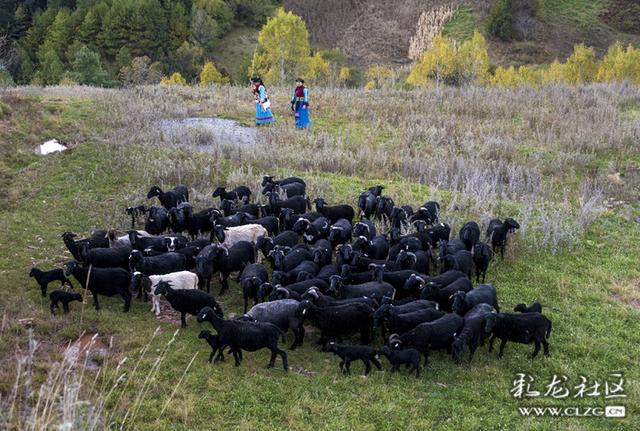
{"x":253,"y":13}
{"x":210,"y":75}
{"x":177,"y":23}
{"x":123,"y":58}
{"x":187,"y":60}
{"x":91,"y":25}
{"x":86,"y":69}
{"x":500,"y":20}
{"x":473,"y":60}
{"x":210,"y":19}
{"x":283,"y":50}
{"x":437,"y":65}
{"x":50,"y":67}
{"x":60,"y":33}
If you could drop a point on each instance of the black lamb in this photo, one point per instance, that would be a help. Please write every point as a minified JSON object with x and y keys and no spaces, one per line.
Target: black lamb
{"x":65,"y":297}
{"x":45,"y":277}
{"x":366,"y":354}
{"x":535,"y":307}
{"x":408,"y":357}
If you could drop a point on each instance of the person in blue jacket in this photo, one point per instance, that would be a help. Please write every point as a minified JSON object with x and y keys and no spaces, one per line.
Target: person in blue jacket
{"x":263,"y":105}
{"x":300,"y":105}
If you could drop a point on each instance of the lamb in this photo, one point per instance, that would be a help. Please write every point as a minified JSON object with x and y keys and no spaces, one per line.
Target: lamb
{"x":340,"y":232}
{"x":498,"y":231}
{"x":171,"y":198}
{"x":281,"y":313}
{"x":437,"y":334}
{"x":373,"y":289}
{"x":444,"y":296}
{"x":239,"y":193}
{"x":334,"y":213}
{"x":157,"y":265}
{"x":45,"y":277}
{"x":251,"y":278}
{"x":535,"y":307}
{"x":187,"y":300}
{"x":216,"y":346}
{"x":148,"y":284}
{"x":348,"y":354}
{"x":364,"y":228}
{"x":228,"y":236}
{"x":230,"y":260}
{"x":408,"y":357}
{"x":519,"y":328}
{"x":482,"y":256}
{"x":102,"y":281}
{"x":157,"y":220}
{"x":339,"y":320}
{"x":242,"y":335}
{"x":65,"y":297}
{"x":465,"y":301}
{"x":470,"y":234}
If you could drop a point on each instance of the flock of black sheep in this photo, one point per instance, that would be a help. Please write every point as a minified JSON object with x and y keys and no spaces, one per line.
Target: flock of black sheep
{"x":411,"y":284}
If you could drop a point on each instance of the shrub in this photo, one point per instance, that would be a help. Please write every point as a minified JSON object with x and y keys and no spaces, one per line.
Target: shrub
{"x":140,"y":72}
{"x":210,"y":75}
{"x":174,"y":79}
{"x":581,"y":67}
{"x":318,"y":69}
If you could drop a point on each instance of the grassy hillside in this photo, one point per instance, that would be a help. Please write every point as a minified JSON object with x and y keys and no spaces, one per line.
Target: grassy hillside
{"x":563,"y":161}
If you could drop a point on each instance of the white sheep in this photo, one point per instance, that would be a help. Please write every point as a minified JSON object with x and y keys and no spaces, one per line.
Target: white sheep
{"x":178,"y":280}
{"x":228,"y":236}
{"x":119,"y":241}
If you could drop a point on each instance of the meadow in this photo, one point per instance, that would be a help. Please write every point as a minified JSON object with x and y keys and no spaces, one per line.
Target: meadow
{"x":563,"y":161}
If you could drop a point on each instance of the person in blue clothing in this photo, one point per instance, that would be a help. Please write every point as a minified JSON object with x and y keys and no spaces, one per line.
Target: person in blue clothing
{"x":263,"y":105}
{"x":300,"y":105}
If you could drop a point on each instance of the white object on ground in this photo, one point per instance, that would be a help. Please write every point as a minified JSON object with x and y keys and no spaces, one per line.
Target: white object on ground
{"x":52,"y":146}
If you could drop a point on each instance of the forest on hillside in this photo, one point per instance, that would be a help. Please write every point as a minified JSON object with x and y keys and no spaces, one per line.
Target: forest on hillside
{"x":44,"y":42}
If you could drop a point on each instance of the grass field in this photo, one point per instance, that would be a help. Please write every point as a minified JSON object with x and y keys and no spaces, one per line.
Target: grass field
{"x":562,"y":161}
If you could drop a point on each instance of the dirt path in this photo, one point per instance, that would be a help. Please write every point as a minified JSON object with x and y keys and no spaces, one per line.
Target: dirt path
{"x":213,"y":130}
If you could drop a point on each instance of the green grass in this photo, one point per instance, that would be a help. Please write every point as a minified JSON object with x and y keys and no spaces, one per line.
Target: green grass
{"x":593,"y":333}
{"x":461,"y":25}
{"x":583,"y":14}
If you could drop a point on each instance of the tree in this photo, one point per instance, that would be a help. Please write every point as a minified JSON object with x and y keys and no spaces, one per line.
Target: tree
{"x":187,"y":60}
{"x":437,"y":65}
{"x":210,"y":19}
{"x":91,"y":25}
{"x":344,"y":76}
{"x":86,"y":69}
{"x":283,"y":49}
{"x":50,"y":67}
{"x":210,"y":75}
{"x":473,"y":60}
{"x":317,"y":69}
{"x":619,"y":65}
{"x":177,"y":23}
{"x":60,"y":33}
{"x":555,"y":73}
{"x":253,"y":13}
{"x":500,"y":20}
{"x":581,"y":66}
{"x":139,"y":72}
{"x":174,"y":79}
{"x":379,"y":76}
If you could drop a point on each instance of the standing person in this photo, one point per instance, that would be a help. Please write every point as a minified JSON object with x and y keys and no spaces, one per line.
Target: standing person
{"x":300,"y":105}
{"x":263,"y":105}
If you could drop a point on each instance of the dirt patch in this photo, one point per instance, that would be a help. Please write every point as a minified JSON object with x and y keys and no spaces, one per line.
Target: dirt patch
{"x":623,"y":186}
{"x":210,"y":132}
{"x":88,"y":350}
{"x":627,"y":292}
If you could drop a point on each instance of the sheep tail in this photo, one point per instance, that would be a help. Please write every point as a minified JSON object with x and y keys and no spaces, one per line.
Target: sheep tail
{"x":548,"y":329}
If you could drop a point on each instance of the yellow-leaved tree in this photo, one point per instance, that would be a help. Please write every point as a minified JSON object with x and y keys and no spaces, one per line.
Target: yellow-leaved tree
{"x":283,"y":51}
{"x":317,"y":69}
{"x":174,"y":79}
{"x":379,"y":77}
{"x":210,"y":75}
{"x":437,"y":64}
{"x":581,"y":66}
{"x":473,"y":60}
{"x":619,"y":65}
{"x":555,"y":73}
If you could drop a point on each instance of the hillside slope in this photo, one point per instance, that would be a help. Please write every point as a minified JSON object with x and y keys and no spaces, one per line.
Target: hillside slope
{"x":379,"y":31}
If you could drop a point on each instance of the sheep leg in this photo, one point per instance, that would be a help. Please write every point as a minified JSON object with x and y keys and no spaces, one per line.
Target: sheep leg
{"x":502,"y":344}
{"x":272,"y":362}
{"x":183,"y":320}
{"x":65,"y":306}
{"x":127,"y":301}
{"x":376,"y":363}
{"x":54,"y":304}
{"x":341,"y":365}
{"x":493,"y":337}
{"x":43,"y":289}
{"x":246,"y":303}
{"x":347,"y":365}
{"x":546,"y":347}
{"x":95,"y":301}
{"x":285,"y":362}
{"x":213,"y":352}
{"x":367,"y":365}
{"x":535,"y":349}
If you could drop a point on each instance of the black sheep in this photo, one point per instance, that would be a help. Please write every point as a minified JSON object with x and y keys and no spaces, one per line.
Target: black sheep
{"x":297,"y":203}
{"x":337,"y":321}
{"x":418,"y":260}
{"x":242,"y":335}
{"x":171,"y":198}
{"x":372,"y":289}
{"x":65,"y":297}
{"x":498,"y":231}
{"x":470,"y":234}
{"x":157,"y":265}
{"x":239,"y":193}
{"x":444,"y":296}
{"x":408,"y":357}
{"x":366,"y":354}
{"x":434,"y":335}
{"x":98,"y":239}
{"x":229,"y":208}
{"x":270,"y":223}
{"x":231,"y":260}
{"x":367,"y":202}
{"x":268,"y":179}
{"x":340,"y":232}
{"x":251,"y":278}
{"x":523,"y":328}
{"x":439,"y":232}
{"x":102,"y":281}
{"x":134,"y":212}
{"x":287,"y":262}
{"x":465,"y":301}
{"x":364,"y":228}
{"x":266,"y":244}
{"x":290,"y":190}
{"x":283,"y":314}
{"x":336,"y":212}
{"x":401,"y":323}
{"x":468,"y":339}
{"x":535,"y":307}
{"x":384,"y":207}
{"x":482,"y":256}
{"x":375,"y":248}
{"x":187,"y":300}
{"x":45,"y":277}
{"x":157,"y":220}
{"x":461,"y":261}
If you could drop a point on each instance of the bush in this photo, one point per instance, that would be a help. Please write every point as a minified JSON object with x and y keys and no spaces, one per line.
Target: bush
{"x":500,"y":20}
{"x":174,"y":79}
{"x":5,"y":78}
{"x":317,"y":70}
{"x":210,"y":75}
